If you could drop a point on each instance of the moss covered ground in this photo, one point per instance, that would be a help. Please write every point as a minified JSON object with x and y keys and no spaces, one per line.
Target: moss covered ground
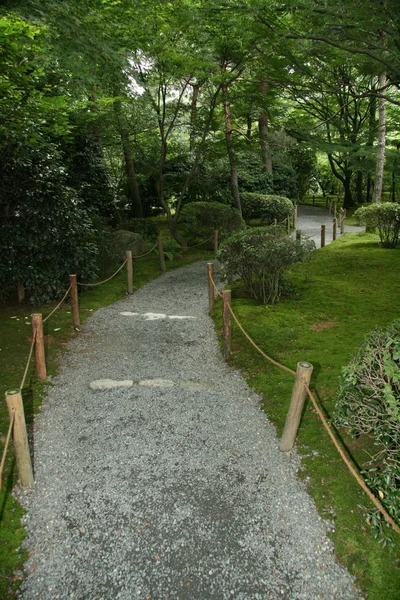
{"x":15,"y":342}
{"x":345,"y":290}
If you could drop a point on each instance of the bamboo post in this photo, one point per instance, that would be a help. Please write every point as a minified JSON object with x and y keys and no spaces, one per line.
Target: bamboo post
{"x":37,"y":332}
{"x":341,"y":221}
{"x":334,"y":210}
{"x":210,"y":272}
{"x":323,"y":228}
{"x":74,"y":301}
{"x":161,"y":254}
{"x":216,"y":241}
{"x":21,"y":446}
{"x":129,"y":271}
{"x":303,"y":376}
{"x":227,"y":322}
{"x":334,"y":229}
{"x":298,"y":235}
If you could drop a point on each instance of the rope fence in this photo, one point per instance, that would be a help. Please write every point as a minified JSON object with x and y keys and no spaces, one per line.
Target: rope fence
{"x":14,"y":400}
{"x":300,"y":390}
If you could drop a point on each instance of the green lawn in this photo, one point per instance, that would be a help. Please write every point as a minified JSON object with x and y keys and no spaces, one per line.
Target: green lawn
{"x":344,"y":291}
{"x":15,"y":341}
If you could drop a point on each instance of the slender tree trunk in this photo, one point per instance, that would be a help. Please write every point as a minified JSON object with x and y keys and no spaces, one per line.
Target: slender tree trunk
{"x":133,"y":187}
{"x":348,"y":200}
{"x":263,"y":132}
{"x":193,"y":116}
{"x":249,"y":126}
{"x":133,"y":192}
{"x":380,"y":152}
{"x":370,"y":141}
{"x":231,"y":151}
{"x":359,"y":187}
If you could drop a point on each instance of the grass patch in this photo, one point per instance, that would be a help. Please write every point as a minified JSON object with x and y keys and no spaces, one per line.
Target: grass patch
{"x":345,"y":290}
{"x":15,"y":341}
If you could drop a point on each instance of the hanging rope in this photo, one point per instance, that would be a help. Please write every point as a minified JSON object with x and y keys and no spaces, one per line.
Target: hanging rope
{"x":105,"y":280}
{"x":325,"y":423}
{"x":58,"y":305}
{"x":3,"y":458}
{"x":28,"y":362}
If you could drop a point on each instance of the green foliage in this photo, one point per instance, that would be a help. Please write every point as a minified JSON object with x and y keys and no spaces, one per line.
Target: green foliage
{"x":252,"y":175}
{"x":369,"y":402}
{"x":382,"y":215}
{"x":285,"y":182}
{"x":172,"y":250}
{"x":261,"y":257}
{"x":203,"y":218}
{"x":268,"y":208}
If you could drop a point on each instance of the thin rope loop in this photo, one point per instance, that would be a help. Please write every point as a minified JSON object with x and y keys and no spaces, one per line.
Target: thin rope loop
{"x":105,"y":280}
{"x":325,"y":423}
{"x":58,"y":305}
{"x":28,"y":362}
{"x":3,"y":458}
{"x":146,"y":253}
{"x":201,"y":243}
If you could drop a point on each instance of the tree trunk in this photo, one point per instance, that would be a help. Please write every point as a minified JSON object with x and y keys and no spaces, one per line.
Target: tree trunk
{"x":132,"y":184}
{"x":231,"y":151}
{"x":133,"y":187}
{"x":263,"y":132}
{"x":370,"y":140}
{"x":193,"y":116}
{"x":249,"y":126}
{"x":380,"y":152}
{"x":359,"y":187}
{"x":348,"y":201}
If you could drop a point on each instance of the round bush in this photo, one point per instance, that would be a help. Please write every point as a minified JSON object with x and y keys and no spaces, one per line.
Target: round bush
{"x":268,"y":208}
{"x":260,"y":257}
{"x":369,"y":402}
{"x":203,"y":218}
{"x":385,"y":216}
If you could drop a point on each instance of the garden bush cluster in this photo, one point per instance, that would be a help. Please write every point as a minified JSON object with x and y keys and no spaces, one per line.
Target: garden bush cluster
{"x":384,"y":216}
{"x":369,"y":402}
{"x":268,"y":208}
{"x":260,"y":257}
{"x":203,"y":218}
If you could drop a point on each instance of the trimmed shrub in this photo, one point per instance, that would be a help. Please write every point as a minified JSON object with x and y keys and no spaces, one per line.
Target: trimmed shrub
{"x":265,"y":207}
{"x":260,"y":257}
{"x":369,"y":402}
{"x":203,"y":218}
{"x":385,"y":216}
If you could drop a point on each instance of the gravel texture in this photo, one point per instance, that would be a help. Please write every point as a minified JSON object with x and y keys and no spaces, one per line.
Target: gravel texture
{"x":310,"y":219}
{"x":168,"y":482}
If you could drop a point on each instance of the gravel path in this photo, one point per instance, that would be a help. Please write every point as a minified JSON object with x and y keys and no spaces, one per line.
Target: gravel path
{"x":166,"y":481}
{"x":310,"y":219}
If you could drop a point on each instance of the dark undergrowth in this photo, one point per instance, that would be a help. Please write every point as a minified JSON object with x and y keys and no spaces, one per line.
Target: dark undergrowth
{"x":15,"y":341}
{"x":345,"y":290}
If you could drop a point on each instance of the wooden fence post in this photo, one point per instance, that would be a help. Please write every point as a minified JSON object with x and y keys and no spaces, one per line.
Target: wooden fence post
{"x":215,"y":241}
{"x":21,"y":447}
{"x":37,"y":332}
{"x":210,"y":273}
{"x":129,"y":271}
{"x":303,"y":376}
{"x":323,"y":228}
{"x":288,"y":225}
{"x":161,"y":254}
{"x":334,"y":229}
{"x":227,"y":322}
{"x":298,"y":235}
{"x":20,"y":292}
{"x":341,"y":221}
{"x":74,"y":301}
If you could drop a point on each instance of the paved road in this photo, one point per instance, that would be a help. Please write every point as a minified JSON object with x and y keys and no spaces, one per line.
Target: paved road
{"x":310,"y":219}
